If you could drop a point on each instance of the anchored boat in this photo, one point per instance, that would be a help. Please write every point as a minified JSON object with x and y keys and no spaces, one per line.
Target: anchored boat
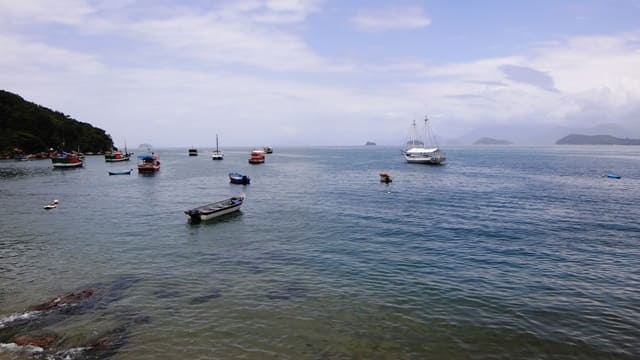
{"x":123,"y":172}
{"x":415,"y":150}
{"x":238,"y":178}
{"x":385,"y":177}
{"x":257,"y":157}
{"x":66,"y":160}
{"x":213,"y":210}
{"x":217,"y":155}
{"x":148,"y":163}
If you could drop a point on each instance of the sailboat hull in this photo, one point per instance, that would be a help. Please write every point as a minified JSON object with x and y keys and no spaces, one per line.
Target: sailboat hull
{"x":425,"y":160}
{"x":424,"y":156}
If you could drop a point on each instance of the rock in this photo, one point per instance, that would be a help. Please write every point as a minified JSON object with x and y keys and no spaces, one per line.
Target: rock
{"x":39,"y":341}
{"x":69,"y":298}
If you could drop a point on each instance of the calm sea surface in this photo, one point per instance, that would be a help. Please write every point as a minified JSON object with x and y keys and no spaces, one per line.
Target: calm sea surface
{"x":505,"y":252}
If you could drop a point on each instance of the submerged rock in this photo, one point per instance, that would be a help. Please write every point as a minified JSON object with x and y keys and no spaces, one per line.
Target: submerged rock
{"x":44,"y":341}
{"x":213,"y":294}
{"x":70,"y":298}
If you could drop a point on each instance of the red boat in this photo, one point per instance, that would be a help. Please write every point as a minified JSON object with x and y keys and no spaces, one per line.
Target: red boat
{"x":66,"y":160}
{"x":148,"y":163}
{"x":117,"y":156}
{"x":257,"y":157}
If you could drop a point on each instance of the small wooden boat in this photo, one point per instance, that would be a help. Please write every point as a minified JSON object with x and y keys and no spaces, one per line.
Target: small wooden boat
{"x":148,"y":163}
{"x":210,"y":211}
{"x":52,"y":205}
{"x":66,"y":160}
{"x":613,"y":176}
{"x":257,"y":157}
{"x":123,"y":172}
{"x":385,"y":177}
{"x":237,"y":178}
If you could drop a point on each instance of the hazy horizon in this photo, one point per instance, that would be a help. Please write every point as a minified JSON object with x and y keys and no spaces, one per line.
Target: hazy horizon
{"x":326,"y":73}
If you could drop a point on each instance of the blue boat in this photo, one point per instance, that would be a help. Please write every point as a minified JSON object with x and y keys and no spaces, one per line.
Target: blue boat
{"x":124,"y":172}
{"x":613,"y":176}
{"x":237,"y":178}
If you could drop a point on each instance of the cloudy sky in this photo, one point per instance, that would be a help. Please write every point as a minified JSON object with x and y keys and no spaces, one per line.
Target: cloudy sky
{"x":313,"y":72}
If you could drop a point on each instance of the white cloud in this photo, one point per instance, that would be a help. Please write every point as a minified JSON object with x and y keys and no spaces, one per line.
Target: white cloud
{"x":208,"y":37}
{"x":409,"y":17}
{"x":59,"y":11}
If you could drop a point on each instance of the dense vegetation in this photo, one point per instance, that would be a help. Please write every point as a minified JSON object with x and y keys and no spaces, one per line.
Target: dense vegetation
{"x":575,"y":139}
{"x":34,"y":128}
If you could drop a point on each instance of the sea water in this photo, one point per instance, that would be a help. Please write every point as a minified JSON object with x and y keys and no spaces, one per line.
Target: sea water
{"x":504,"y":252}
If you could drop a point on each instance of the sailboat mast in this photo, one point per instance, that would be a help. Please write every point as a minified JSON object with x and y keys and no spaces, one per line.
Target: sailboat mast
{"x":216,"y":142}
{"x":425,"y":131}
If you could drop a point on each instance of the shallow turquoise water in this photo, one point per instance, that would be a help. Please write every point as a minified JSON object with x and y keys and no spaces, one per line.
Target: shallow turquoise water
{"x":508,"y":252}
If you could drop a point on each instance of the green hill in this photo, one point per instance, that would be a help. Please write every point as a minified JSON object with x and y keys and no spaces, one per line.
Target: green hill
{"x":34,"y":128}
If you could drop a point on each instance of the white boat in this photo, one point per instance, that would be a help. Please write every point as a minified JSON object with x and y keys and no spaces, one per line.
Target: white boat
{"x":52,"y":205}
{"x":217,"y":155}
{"x":415,"y":150}
{"x":210,"y":211}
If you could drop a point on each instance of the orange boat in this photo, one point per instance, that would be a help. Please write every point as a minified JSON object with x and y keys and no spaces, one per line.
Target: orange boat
{"x":385,"y":177}
{"x":257,"y":157}
{"x":148,"y":163}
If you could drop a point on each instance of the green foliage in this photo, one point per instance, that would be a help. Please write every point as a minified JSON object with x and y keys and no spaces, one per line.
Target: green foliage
{"x":34,"y":128}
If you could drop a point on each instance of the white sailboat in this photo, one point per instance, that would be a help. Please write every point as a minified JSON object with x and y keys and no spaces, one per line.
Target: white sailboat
{"x":217,"y":155}
{"x":415,"y":149}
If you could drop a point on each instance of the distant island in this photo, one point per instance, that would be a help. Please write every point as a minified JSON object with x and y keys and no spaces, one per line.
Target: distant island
{"x":145,"y":146}
{"x":370,"y":143}
{"x":577,"y":139}
{"x":491,"y":141}
{"x":28,"y":128}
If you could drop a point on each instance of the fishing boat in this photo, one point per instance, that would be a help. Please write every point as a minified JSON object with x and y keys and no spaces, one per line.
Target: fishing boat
{"x":257,"y":157}
{"x":193,"y":152}
{"x":415,"y":150}
{"x":123,"y":172}
{"x":268,"y":149}
{"x":217,"y":155}
{"x":117,"y":155}
{"x":238,"y":178}
{"x":210,"y":211}
{"x":64,"y":160}
{"x":148,"y":163}
{"x":385,"y":177}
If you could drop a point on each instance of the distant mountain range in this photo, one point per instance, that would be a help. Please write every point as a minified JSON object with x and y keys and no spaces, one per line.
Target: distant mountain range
{"x":491,"y":141}
{"x":537,"y":134}
{"x":578,"y":139}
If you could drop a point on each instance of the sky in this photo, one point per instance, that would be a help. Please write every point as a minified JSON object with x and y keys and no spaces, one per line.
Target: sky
{"x":313,"y":72}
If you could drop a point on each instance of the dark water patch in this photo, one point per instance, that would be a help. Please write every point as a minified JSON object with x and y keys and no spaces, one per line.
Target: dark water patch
{"x":22,"y":171}
{"x":210,"y":295}
{"x":287,"y":292}
{"x":167,"y":293}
